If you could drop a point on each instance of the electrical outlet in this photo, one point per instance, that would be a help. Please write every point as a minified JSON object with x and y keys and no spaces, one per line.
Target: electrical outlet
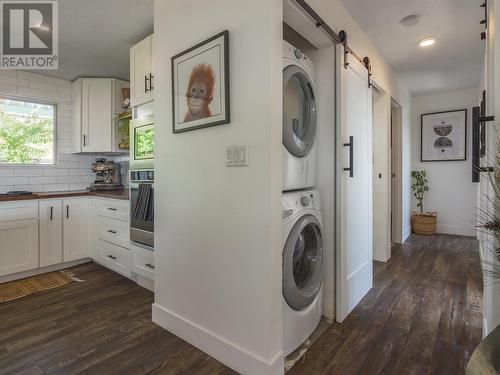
{"x":237,"y":156}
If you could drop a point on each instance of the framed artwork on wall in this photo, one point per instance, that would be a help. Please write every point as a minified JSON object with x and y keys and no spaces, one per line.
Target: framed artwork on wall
{"x":444,"y":136}
{"x":200,"y":85}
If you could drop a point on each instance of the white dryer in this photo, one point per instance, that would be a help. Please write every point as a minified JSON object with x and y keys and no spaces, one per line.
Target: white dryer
{"x":299,"y":120}
{"x":302,"y":267}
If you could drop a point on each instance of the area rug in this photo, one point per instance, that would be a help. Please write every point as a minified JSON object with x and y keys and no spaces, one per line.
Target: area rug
{"x":24,"y":287}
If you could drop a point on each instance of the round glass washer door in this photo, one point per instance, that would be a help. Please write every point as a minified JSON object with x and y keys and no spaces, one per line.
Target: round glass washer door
{"x":299,"y":111}
{"x":303,"y":263}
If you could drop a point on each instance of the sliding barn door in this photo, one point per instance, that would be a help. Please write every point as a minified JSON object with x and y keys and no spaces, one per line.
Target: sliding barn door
{"x":354,"y":184}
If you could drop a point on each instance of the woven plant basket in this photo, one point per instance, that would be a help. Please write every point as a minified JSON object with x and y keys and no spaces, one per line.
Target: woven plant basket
{"x":424,"y":224}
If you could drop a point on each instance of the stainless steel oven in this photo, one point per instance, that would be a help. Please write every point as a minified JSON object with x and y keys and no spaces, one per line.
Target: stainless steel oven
{"x":141,"y":186}
{"x":142,"y":136}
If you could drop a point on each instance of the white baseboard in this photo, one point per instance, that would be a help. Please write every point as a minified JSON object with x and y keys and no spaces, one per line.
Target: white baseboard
{"x":217,"y":347}
{"x":455,"y":229}
{"x":39,"y":271}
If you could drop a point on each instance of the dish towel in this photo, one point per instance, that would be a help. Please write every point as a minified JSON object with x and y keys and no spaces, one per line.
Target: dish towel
{"x":144,"y":209}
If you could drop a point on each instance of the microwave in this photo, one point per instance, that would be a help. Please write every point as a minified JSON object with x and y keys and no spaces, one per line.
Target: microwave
{"x":142,"y":143}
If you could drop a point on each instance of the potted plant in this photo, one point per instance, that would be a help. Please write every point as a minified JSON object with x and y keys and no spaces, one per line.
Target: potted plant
{"x":422,"y":223}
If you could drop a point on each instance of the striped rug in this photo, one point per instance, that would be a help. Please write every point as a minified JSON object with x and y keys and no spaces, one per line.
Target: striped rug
{"x":24,"y":287}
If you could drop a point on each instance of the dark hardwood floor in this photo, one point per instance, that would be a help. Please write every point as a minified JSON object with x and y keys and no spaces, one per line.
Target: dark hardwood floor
{"x":423,"y":316}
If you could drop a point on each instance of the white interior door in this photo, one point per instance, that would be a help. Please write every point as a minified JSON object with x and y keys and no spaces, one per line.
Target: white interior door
{"x":354,"y":186}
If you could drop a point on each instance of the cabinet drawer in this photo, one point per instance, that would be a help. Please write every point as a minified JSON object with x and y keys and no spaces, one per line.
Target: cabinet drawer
{"x":143,"y":262}
{"x":114,"y":231}
{"x":113,"y":209}
{"x":23,"y":210}
{"x":115,"y":257}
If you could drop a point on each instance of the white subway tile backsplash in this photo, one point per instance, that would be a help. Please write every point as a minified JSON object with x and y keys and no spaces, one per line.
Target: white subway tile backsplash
{"x":42,"y":180}
{"x":6,"y":172}
{"x":13,"y":181}
{"x":6,"y":188}
{"x":55,"y":172}
{"x":68,"y":179}
{"x":26,"y":171}
{"x":80,"y":186}
{"x":42,"y":86}
{"x":34,"y":188}
{"x":56,"y":187}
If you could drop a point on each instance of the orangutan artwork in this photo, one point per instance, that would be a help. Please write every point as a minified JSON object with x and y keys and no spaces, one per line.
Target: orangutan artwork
{"x":200,"y":92}
{"x":200,"y":85}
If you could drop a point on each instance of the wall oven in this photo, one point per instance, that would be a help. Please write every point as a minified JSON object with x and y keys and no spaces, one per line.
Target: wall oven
{"x":141,"y":182}
{"x":142,"y":206}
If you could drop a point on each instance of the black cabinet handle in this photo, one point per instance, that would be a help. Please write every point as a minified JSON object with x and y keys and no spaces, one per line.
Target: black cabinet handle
{"x":111,"y":231}
{"x":351,"y":156}
{"x":111,"y":209}
{"x":146,"y":79}
{"x":51,"y":212}
{"x":149,"y":265}
{"x":112,"y":257}
{"x":84,"y":140}
{"x":67,"y":211}
{"x":151,"y":82}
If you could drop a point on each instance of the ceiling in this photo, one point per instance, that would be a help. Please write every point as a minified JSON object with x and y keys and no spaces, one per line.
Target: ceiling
{"x":453,"y":63}
{"x":95,"y":36}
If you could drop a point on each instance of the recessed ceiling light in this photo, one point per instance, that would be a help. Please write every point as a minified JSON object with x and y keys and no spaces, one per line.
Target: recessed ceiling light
{"x":427,"y":42}
{"x":410,"y":20}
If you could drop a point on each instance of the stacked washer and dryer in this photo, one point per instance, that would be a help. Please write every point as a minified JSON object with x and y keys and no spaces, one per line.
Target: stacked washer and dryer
{"x":302,"y":223}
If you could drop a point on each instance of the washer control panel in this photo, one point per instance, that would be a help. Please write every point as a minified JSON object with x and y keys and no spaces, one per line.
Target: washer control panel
{"x":296,"y":201}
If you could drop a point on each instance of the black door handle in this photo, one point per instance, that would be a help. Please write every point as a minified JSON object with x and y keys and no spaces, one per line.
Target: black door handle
{"x":146,"y":79}
{"x":51,"y":212}
{"x":151,"y":82}
{"x":351,"y":156}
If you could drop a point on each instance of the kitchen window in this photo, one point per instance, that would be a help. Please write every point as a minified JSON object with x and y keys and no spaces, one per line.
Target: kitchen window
{"x":27,"y":132}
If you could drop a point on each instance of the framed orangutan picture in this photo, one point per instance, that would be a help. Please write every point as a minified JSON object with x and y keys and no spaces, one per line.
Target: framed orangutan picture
{"x":200,"y":85}
{"x":444,"y":136}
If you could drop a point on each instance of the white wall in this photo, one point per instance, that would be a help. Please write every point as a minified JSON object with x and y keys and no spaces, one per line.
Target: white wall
{"x":452,"y":194}
{"x":218,"y":230}
{"x":334,"y":13}
{"x":71,"y":172}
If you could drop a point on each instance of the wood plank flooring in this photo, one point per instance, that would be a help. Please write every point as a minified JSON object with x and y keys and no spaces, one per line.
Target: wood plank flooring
{"x":423,"y":316}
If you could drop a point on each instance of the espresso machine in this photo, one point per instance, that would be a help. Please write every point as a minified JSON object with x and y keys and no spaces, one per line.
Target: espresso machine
{"x":108,"y":176}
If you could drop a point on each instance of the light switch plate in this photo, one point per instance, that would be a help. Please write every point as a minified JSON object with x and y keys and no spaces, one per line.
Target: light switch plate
{"x":237,"y":156}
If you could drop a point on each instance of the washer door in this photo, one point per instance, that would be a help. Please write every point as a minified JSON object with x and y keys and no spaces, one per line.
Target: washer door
{"x":303,"y":263}
{"x":299,"y":111}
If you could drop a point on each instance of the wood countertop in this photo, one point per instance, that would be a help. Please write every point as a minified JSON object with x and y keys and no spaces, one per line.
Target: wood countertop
{"x":115,"y":194}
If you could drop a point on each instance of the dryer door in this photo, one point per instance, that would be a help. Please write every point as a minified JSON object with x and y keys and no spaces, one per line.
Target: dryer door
{"x":299,"y":111}
{"x":303,"y":263}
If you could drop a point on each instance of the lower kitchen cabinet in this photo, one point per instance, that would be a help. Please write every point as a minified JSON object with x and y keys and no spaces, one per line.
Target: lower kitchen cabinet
{"x":51,"y":236}
{"x":76,"y":228}
{"x":18,"y":246}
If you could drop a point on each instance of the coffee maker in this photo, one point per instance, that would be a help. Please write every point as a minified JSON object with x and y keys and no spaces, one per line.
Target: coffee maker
{"x":108,"y":175}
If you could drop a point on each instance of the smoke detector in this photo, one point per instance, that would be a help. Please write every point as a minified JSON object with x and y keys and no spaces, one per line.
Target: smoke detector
{"x":410,"y":20}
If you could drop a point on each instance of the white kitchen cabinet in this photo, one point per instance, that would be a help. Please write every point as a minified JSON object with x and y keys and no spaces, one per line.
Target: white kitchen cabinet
{"x":76,"y":229}
{"x":96,"y":102}
{"x":141,"y":72}
{"x":18,"y":236}
{"x":50,"y":232}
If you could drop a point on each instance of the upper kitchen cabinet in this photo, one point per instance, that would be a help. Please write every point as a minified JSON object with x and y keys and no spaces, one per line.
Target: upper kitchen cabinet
{"x":96,"y":104}
{"x":141,"y":72}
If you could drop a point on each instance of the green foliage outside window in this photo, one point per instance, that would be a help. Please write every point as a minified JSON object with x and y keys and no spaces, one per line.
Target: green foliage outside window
{"x":25,"y":136}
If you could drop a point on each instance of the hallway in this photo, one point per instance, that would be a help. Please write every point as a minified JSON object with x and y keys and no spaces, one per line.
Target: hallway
{"x":423,"y":315}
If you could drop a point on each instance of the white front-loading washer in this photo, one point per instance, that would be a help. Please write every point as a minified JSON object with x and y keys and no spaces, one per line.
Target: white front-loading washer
{"x":299,"y":120}
{"x":302,"y":267}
